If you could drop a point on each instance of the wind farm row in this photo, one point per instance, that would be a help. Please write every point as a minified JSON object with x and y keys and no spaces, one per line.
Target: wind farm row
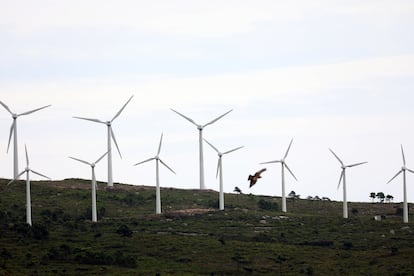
{"x":200,"y":127}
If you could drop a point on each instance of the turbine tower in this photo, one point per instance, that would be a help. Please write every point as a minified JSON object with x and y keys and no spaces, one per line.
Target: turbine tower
{"x":27,"y":170}
{"x":403,"y":171}
{"x":284,"y":165}
{"x":200,"y":141}
{"x":13,"y":132}
{"x":157,"y":176}
{"x":220,"y":169}
{"x":111,"y":136}
{"x":342,"y":177}
{"x":94,"y":186}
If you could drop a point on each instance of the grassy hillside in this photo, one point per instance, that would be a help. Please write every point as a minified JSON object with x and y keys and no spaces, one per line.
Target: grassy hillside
{"x":192,"y":237}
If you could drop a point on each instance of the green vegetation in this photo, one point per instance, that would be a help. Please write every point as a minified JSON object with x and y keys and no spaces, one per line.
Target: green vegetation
{"x":192,"y":237}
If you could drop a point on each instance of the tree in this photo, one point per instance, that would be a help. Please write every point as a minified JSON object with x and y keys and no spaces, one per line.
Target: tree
{"x":389,"y":198}
{"x":380,"y":196}
{"x":238,"y":191}
{"x":372,"y":196}
{"x":293,"y":195}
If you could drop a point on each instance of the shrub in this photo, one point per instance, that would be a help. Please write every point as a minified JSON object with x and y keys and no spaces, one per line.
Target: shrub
{"x":354,"y":211}
{"x":39,"y":232}
{"x":347,"y":245}
{"x":267,"y":205}
{"x":323,"y":243}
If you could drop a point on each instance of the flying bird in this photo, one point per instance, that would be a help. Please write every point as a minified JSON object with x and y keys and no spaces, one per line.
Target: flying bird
{"x":253,"y":178}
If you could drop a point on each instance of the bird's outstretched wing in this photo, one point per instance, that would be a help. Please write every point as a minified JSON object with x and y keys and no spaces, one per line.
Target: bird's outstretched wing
{"x":258,"y":174}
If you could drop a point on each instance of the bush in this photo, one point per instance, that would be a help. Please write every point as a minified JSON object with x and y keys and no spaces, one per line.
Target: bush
{"x":267,"y":205}
{"x":39,"y":232}
{"x":354,"y":211}
{"x":323,"y":243}
{"x":347,"y":245}
{"x":133,"y":200}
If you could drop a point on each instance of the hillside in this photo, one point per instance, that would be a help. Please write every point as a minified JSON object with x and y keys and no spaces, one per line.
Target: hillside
{"x":191,"y":236}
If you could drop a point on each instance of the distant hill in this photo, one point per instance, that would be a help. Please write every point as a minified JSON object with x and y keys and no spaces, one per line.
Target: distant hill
{"x":191,"y":236}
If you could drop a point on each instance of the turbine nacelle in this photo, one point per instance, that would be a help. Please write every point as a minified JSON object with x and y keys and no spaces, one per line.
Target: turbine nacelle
{"x":14,"y":116}
{"x":200,"y":127}
{"x":108,"y":123}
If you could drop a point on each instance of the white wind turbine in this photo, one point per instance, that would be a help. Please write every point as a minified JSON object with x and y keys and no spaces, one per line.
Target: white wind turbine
{"x":403,"y":170}
{"x":284,"y":165}
{"x":200,"y":141}
{"x":220,"y":169}
{"x":27,"y":170}
{"x":157,"y":176}
{"x":13,"y":132}
{"x":111,"y":136}
{"x":94,"y":186}
{"x":342,"y":177}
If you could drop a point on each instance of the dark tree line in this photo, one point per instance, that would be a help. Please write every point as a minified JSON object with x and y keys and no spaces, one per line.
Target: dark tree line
{"x":381,"y":197}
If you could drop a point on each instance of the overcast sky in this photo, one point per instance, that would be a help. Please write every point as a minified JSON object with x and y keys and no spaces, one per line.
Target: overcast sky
{"x":330,"y":74}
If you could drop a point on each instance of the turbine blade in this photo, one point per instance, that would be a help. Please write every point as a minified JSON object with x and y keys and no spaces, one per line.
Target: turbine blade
{"x":39,"y":174}
{"x":119,"y":112}
{"x":336,"y":156}
{"x":11,"y":133}
{"x":79,"y":160}
{"x":89,"y":119}
{"x":340,"y":179}
{"x":100,"y":158}
{"x":287,"y":167}
{"x":286,"y":154}
{"x":211,"y":146}
{"x":395,"y":176}
{"x":145,"y":161}
{"x":403,"y":156}
{"x":116,"y":144}
{"x":27,"y":156}
{"x":218,"y":118}
{"x":185,"y":117}
{"x":20,"y":174}
{"x":354,"y":165}
{"x":34,"y":110}
{"x":233,"y":150}
{"x":167,"y":166}
{"x":218,"y":166}
{"x":6,"y":107}
{"x":411,"y":171}
{"x":270,"y":162}
{"x":159,"y":147}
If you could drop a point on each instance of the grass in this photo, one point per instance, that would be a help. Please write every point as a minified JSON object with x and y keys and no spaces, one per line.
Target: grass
{"x":192,"y":236}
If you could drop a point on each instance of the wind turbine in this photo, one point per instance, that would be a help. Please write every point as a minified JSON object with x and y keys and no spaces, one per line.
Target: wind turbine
{"x":111,"y":136}
{"x":200,"y":141}
{"x":284,"y":165}
{"x":27,"y":170}
{"x":342,"y":177}
{"x":94,"y":186}
{"x":403,"y":170}
{"x":13,"y":132}
{"x":157,"y":176}
{"x":220,"y":169}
